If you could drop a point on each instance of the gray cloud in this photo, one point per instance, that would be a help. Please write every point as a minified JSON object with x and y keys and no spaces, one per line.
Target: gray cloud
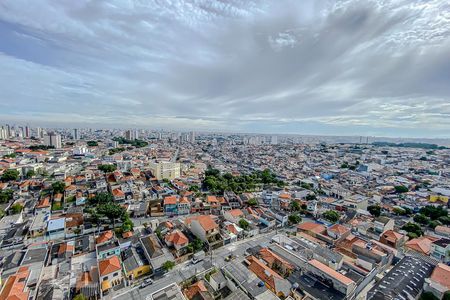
{"x":333,"y":67}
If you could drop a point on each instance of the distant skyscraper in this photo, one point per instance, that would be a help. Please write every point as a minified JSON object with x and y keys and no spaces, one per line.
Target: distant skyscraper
{"x":39,"y":132}
{"x":53,"y":139}
{"x":3,"y":134}
{"x":192,"y":137}
{"x":76,"y":134}
{"x":274,"y":140}
{"x":27,"y":131}
{"x":128,"y":134}
{"x":8,"y":131}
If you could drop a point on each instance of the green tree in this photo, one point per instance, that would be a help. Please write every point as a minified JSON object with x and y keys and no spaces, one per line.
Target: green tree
{"x":310,"y":197}
{"x":12,"y":155}
{"x":193,"y":188}
{"x":294,"y":219}
{"x":398,"y":211}
{"x":400,"y":189}
{"x":168,"y":265}
{"x":16,"y":208}
{"x":112,"y":211}
{"x":375,"y":210}
{"x":243,"y":224}
{"x":107,"y":168}
{"x":101,"y":198}
{"x":127,"y":224}
{"x":6,"y":195}
{"x":428,"y":296}
{"x":331,"y":215}
{"x":58,"y":187}
{"x":197,"y":244}
{"x":30,"y":174}
{"x":2,"y":213}
{"x":413,"y":228}
{"x":252,"y":202}
{"x":295,"y":206}
{"x":10,"y":174}
{"x":92,"y":143}
{"x":433,"y":212}
{"x":444,"y":220}
{"x":421,"y":219}
{"x":446,"y":296}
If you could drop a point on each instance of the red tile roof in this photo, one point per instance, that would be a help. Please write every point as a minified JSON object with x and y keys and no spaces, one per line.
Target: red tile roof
{"x":170,"y":200}
{"x":177,"y":237}
{"x":441,"y":275}
{"x":104,"y":237}
{"x":109,"y":265}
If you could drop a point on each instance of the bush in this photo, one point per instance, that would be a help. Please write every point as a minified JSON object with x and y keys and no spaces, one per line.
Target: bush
{"x":243,"y":224}
{"x":294,"y":219}
{"x":331,"y":215}
{"x":400,"y":189}
{"x":413,"y":229}
{"x":168,"y":265}
{"x":107,"y":168}
{"x":375,"y":210}
{"x":10,"y":174}
{"x":16,"y":208}
{"x":58,"y":187}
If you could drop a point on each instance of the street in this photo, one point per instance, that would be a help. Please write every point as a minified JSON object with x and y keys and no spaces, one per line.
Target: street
{"x":186,"y":270}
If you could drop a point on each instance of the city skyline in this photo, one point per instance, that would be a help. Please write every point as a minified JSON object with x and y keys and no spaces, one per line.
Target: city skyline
{"x":339,"y":68}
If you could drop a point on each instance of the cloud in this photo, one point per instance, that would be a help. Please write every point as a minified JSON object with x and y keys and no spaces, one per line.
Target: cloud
{"x":310,"y":67}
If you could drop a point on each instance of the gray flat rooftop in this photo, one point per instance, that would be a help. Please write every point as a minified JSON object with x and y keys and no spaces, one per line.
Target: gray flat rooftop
{"x":405,"y":280}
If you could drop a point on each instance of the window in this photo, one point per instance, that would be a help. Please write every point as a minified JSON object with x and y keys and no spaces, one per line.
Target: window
{"x":115,"y":274}
{"x":105,"y":278}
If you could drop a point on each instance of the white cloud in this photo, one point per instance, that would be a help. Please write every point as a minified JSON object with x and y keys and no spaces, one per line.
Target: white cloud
{"x":246,"y":65}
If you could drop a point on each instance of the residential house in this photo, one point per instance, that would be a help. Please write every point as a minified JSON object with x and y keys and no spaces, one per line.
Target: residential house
{"x":15,"y":287}
{"x":233,"y":215}
{"x":421,"y":244}
{"x":134,"y":265}
{"x":177,"y":240}
{"x":439,"y":281}
{"x":275,"y":262}
{"x":183,"y":206}
{"x":205,"y":228}
{"x":170,"y":205}
{"x":277,"y":284}
{"x":155,"y":253}
{"x":393,"y":239}
{"x":110,"y":273}
{"x":440,"y":250}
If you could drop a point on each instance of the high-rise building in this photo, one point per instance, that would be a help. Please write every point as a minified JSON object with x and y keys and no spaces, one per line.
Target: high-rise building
{"x":53,"y":139}
{"x":76,"y":134}
{"x":39,"y":132}
{"x":8,"y":131}
{"x":3,"y":133}
{"x":274,"y":140}
{"x":27,"y":131}
{"x":192,"y":137}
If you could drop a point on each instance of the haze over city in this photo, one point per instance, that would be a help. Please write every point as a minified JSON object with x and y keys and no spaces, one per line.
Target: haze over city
{"x":305,"y":67}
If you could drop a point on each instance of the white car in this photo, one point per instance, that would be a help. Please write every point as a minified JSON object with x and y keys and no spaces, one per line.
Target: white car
{"x":146,"y":282}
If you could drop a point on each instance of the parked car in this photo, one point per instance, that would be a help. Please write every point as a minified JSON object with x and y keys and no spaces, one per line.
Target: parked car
{"x":146,"y":282}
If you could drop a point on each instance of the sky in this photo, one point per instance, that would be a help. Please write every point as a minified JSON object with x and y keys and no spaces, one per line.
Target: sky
{"x":305,"y":66}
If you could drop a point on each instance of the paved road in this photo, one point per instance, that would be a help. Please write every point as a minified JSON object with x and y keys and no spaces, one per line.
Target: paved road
{"x":186,"y":270}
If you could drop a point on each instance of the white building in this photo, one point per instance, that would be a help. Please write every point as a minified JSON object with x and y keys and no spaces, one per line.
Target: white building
{"x":165,"y":170}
